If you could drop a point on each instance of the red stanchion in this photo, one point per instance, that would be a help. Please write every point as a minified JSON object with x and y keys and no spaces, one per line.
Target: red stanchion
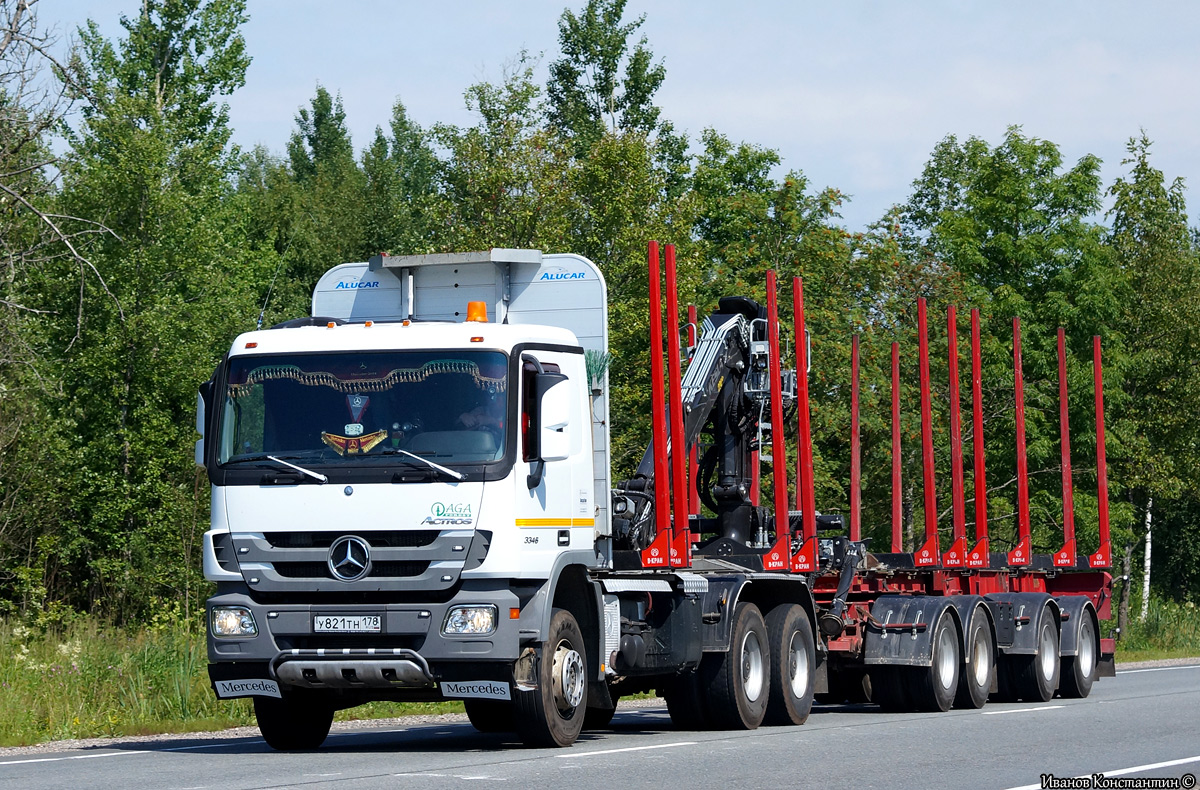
{"x":897,"y":500}
{"x":1021,"y":554}
{"x":978,"y":556}
{"x":855,"y":449}
{"x":1103,"y":556}
{"x":929,"y":553}
{"x":1065,"y":557}
{"x":779,"y":554}
{"x":957,"y":554}
{"x":804,"y":560}
{"x":657,"y":554}
{"x":681,"y":544}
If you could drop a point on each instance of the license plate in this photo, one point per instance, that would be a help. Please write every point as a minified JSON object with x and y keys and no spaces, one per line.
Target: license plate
{"x":347,"y":623}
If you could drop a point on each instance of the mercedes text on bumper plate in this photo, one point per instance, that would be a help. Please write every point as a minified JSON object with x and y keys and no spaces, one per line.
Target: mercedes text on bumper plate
{"x":246,"y":688}
{"x":350,"y":624}
{"x":475,"y":689}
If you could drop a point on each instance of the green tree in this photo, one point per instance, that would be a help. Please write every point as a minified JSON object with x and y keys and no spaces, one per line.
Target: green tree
{"x":151,"y":158}
{"x":400,"y":175}
{"x":587,"y":92}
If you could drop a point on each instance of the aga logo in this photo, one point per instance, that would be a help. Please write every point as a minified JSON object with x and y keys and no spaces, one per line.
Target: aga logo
{"x":453,"y":514}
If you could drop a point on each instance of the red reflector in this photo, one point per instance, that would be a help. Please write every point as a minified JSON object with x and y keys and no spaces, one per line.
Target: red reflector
{"x":252,"y":345}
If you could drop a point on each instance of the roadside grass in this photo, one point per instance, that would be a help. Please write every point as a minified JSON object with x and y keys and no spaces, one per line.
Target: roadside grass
{"x":87,"y":679}
{"x":1170,"y":630}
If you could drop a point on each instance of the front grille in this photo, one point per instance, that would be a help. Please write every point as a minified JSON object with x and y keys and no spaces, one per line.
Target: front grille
{"x":320,"y":570}
{"x":323,"y":540}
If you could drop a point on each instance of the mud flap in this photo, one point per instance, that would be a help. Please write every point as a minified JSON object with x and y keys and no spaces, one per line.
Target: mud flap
{"x":900,"y":630}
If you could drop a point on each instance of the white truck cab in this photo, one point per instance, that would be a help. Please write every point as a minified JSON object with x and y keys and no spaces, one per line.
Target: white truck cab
{"x":400,"y":481}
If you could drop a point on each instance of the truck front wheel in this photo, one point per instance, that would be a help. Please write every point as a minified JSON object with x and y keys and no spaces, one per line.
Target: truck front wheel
{"x":295,"y":722}
{"x":553,"y":713}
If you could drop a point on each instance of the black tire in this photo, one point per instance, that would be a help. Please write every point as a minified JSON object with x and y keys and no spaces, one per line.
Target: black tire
{"x":553,"y":713}
{"x":1035,"y":678}
{"x":488,"y":715}
{"x":979,"y":669}
{"x":600,"y":718}
{"x":890,"y":687}
{"x":793,"y":665}
{"x":685,"y":702}
{"x":932,"y":688}
{"x":293,"y":723}
{"x":1079,"y":670}
{"x":738,"y":682}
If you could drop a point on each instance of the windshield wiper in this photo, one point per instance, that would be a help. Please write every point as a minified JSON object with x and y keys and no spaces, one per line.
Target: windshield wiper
{"x":265,"y":457}
{"x":427,"y":462}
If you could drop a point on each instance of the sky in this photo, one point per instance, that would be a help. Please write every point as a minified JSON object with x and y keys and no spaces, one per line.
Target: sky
{"x":853,"y":93}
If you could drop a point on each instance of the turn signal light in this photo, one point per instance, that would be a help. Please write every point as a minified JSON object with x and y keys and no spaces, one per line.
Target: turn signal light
{"x":477,"y":311}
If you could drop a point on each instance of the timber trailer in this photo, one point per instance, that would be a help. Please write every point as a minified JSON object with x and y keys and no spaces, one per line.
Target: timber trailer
{"x":411,"y":500}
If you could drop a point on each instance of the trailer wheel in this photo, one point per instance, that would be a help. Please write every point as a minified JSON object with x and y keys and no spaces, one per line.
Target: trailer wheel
{"x":738,"y":682}
{"x":975,"y":679}
{"x":1035,"y":678}
{"x":488,"y":715}
{"x":1079,"y":670}
{"x":552,"y":714}
{"x":293,"y":723}
{"x":793,"y":664}
{"x":889,"y":688}
{"x":685,"y":702}
{"x":933,"y":687}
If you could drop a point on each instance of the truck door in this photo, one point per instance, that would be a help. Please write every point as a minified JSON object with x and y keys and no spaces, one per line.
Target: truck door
{"x":554,"y":510}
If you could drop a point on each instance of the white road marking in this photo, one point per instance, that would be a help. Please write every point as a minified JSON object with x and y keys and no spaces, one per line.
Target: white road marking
{"x":1137,"y":769}
{"x":1021,"y":710}
{"x":628,"y":749}
{"x":1155,"y":669}
{"x":71,"y":757}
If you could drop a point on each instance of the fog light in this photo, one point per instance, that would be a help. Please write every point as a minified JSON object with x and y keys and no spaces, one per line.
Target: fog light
{"x":233,"y":621}
{"x":470,"y":621}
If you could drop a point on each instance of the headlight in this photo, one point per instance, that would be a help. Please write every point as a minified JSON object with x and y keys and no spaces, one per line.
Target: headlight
{"x":470,"y":621}
{"x":233,"y":621}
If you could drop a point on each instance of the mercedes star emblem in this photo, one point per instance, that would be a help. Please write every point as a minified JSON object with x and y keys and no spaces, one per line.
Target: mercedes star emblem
{"x":349,"y":558}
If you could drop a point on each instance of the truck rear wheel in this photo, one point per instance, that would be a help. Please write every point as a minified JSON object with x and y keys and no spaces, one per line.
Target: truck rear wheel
{"x":553,"y":713}
{"x":488,"y":715}
{"x":975,"y":680}
{"x":293,"y":723}
{"x":1079,"y":670}
{"x":1035,"y":678}
{"x":933,"y":687}
{"x":793,"y":664}
{"x":738,"y":681}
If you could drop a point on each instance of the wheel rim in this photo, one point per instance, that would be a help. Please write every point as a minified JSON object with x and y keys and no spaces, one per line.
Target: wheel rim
{"x":981,"y":660}
{"x":754,"y":676}
{"x":798,"y":664}
{"x":1047,"y":655}
{"x":1087,"y":651}
{"x":569,"y":679}
{"x":946,"y":658}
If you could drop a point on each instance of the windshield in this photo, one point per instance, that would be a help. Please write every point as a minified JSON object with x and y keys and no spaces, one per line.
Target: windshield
{"x":348,"y":407}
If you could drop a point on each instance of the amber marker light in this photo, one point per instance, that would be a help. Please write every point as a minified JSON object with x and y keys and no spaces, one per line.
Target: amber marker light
{"x":252,"y":345}
{"x":330,"y":325}
{"x":514,"y":614}
{"x":370,"y":324}
{"x":477,"y":311}
{"x":477,"y":339}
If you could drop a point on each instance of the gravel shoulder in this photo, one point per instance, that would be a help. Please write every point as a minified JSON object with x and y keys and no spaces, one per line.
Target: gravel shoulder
{"x":169,"y":740}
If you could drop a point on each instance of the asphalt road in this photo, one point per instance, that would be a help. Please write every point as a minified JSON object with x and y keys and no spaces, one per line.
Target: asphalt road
{"x":1142,"y":723}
